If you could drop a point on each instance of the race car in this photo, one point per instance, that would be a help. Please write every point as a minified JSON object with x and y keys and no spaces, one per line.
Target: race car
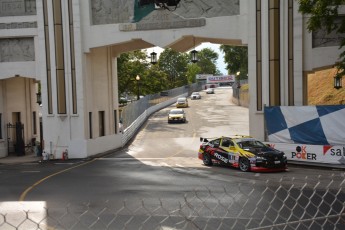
{"x":176,"y":115}
{"x":243,"y":152}
{"x":195,"y":95}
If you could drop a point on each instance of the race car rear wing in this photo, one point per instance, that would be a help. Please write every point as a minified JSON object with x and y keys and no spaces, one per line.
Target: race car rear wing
{"x":202,"y":139}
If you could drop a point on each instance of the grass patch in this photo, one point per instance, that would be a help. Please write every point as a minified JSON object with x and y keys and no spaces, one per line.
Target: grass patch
{"x":321,"y":90}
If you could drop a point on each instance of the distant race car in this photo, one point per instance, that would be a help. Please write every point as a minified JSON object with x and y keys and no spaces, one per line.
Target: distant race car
{"x":243,"y":152}
{"x":177,"y":115}
{"x":182,"y":102}
{"x":195,"y":95}
{"x":209,"y":91}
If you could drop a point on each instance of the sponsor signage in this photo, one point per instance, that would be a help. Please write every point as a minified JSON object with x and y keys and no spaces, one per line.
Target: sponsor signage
{"x":221,"y":79}
{"x":312,"y":153}
{"x":203,"y":76}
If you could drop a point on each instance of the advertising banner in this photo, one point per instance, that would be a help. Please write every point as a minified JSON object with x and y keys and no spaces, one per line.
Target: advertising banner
{"x":220,"y":79}
{"x":203,"y":76}
{"x":325,"y":154}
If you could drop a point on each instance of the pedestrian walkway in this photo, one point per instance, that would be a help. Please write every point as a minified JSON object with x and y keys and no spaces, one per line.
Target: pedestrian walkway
{"x":14,"y":159}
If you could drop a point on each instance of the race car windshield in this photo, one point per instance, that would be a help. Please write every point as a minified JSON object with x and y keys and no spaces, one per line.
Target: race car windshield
{"x":251,"y":144}
{"x":176,"y":112}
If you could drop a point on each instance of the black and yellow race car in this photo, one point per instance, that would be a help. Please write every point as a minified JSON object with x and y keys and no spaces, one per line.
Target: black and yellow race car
{"x":243,"y":152}
{"x":177,"y":115}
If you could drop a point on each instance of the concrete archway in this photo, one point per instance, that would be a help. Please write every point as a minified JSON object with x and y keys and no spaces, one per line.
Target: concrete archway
{"x":77,"y":46}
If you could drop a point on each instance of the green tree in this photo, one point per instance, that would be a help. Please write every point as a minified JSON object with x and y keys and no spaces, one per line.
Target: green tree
{"x":236,"y":59}
{"x":322,"y":16}
{"x":207,"y":61}
{"x":174,"y":64}
{"x":130,"y":65}
{"x":156,"y":80}
{"x":193,"y":70}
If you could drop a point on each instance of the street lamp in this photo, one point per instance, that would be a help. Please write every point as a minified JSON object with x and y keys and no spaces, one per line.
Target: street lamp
{"x":137,"y":78}
{"x":337,"y":82}
{"x":194,"y":54}
{"x":39,"y":98}
{"x":153,"y":56}
{"x":238,"y":88}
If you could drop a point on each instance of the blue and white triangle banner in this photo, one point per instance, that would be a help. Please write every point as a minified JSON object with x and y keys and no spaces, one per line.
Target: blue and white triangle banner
{"x":314,"y":125}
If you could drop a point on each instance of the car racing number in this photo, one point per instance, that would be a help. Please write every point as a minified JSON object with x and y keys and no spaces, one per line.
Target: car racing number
{"x":232,"y":158}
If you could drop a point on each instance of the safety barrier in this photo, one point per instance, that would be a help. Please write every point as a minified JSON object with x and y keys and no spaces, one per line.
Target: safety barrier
{"x":135,"y":114}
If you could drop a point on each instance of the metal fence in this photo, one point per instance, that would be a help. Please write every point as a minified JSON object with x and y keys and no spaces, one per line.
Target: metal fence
{"x":132,"y":111}
{"x":284,"y":203}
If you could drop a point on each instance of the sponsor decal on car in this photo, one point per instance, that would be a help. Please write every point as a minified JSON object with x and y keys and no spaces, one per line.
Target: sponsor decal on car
{"x":220,"y":157}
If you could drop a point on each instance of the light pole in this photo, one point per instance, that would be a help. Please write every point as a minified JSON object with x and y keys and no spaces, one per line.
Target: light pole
{"x":238,"y":87}
{"x":137,"y":78}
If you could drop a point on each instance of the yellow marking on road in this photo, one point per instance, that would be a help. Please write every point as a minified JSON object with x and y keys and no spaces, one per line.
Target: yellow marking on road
{"x":23,"y":195}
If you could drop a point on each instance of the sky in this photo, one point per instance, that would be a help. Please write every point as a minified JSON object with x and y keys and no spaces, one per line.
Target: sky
{"x":215,"y":47}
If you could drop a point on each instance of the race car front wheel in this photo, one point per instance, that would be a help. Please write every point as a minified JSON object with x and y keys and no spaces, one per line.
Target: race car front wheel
{"x":244,"y":164}
{"x":207,"y":159}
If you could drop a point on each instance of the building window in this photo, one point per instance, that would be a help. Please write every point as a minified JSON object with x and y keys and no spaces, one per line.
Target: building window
{"x":274,"y":52}
{"x":0,"y":125}
{"x":34,"y":122}
{"x":115,"y":122}
{"x":48,"y":65}
{"x":90,"y":124}
{"x":291,"y":54}
{"x":73,"y":73}
{"x":258,"y":57}
{"x":101,"y":123}
{"x":59,"y":58}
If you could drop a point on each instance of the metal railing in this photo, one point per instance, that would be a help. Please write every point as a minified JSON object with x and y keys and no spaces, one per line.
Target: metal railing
{"x":133,"y":110}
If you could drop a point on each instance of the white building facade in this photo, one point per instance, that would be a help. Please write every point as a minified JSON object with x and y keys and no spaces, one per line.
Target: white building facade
{"x":71,"y":47}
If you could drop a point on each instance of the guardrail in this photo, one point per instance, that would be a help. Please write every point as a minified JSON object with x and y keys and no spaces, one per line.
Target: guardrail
{"x":136,"y":113}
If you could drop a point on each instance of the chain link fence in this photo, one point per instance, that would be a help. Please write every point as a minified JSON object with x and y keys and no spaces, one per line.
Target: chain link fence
{"x":285,"y":203}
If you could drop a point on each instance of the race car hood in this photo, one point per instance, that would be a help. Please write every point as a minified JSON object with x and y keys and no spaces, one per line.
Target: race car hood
{"x":265,"y":152}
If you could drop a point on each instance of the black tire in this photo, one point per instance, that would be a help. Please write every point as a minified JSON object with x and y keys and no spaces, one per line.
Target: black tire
{"x":206,"y":159}
{"x":244,"y":164}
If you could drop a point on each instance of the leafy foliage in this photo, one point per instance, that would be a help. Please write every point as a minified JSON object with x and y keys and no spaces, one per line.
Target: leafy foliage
{"x":173,"y":70}
{"x":174,"y":64}
{"x":207,"y":61}
{"x":130,"y":65}
{"x":193,"y":70}
{"x":236,"y":58}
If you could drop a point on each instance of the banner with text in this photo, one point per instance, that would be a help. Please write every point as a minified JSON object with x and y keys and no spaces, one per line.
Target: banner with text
{"x":329,"y":154}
